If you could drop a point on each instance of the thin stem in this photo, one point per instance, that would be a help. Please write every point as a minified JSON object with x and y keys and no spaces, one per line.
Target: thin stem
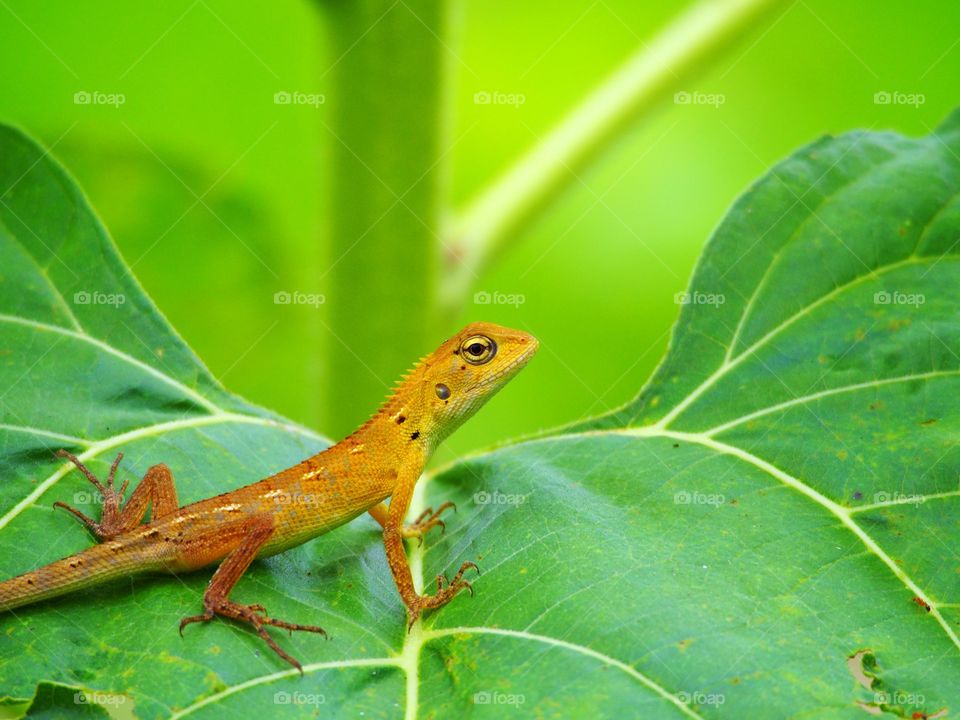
{"x":653,"y":72}
{"x":384,"y":121}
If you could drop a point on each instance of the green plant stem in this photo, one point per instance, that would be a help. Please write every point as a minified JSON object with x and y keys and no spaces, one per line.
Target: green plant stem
{"x":682,"y":51}
{"x":388,"y":77}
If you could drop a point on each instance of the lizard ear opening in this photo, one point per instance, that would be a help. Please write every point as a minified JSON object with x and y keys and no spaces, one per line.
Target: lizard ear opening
{"x":443,"y":392}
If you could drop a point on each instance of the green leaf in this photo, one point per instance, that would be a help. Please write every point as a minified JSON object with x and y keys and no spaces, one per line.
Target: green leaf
{"x":776,"y":496}
{"x":51,"y":699}
{"x":766,"y":510}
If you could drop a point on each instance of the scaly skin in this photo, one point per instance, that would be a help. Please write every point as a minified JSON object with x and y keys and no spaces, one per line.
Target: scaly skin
{"x":382,"y":459}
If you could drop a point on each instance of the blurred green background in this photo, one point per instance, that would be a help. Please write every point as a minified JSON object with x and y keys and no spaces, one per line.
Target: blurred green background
{"x":217,"y":196}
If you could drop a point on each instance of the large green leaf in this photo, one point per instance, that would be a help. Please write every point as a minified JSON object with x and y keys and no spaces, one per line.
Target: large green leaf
{"x":767,"y":508}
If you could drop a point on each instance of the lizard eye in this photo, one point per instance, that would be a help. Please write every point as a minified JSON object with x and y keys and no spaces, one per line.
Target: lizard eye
{"x":478,"y":349}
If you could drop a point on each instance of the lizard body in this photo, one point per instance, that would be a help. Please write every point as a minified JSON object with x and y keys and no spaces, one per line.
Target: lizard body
{"x":382,"y":459}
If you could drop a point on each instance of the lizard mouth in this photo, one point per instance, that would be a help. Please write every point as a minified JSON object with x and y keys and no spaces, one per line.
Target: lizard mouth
{"x":514,"y":366}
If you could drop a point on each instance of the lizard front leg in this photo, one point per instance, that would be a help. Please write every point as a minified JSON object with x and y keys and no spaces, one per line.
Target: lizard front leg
{"x":157,"y":489}
{"x":393,"y":534}
{"x":216,"y":599}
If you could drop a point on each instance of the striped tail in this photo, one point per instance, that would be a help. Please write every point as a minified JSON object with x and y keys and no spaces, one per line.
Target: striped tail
{"x":92,"y":566}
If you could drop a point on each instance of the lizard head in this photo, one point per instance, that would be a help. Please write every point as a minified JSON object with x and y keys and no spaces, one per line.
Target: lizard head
{"x":468,"y":369}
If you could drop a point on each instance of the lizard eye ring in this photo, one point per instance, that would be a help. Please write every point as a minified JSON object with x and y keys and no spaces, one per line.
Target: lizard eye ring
{"x":478,"y":349}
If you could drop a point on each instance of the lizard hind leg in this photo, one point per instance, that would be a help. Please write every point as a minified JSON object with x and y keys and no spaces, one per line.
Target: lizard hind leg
{"x":217,"y":602}
{"x":254,"y":615}
{"x":157,"y":489}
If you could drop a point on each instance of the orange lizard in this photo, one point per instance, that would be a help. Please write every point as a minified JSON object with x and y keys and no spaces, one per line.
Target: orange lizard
{"x":382,"y":459}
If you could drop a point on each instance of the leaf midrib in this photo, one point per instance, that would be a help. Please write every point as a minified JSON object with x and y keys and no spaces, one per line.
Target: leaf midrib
{"x":109,"y":349}
{"x":43,"y":270}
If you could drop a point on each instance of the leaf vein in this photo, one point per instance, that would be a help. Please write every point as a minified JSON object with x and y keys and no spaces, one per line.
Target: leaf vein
{"x":84,"y":337}
{"x":574,"y":647}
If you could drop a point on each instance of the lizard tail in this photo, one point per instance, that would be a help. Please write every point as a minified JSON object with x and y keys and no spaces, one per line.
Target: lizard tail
{"x":95,"y":565}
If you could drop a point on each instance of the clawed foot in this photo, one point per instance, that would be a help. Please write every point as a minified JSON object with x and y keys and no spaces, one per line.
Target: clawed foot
{"x":446,"y":591}
{"x":255,"y":615}
{"x":110,"y":524}
{"x":427,"y":519}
